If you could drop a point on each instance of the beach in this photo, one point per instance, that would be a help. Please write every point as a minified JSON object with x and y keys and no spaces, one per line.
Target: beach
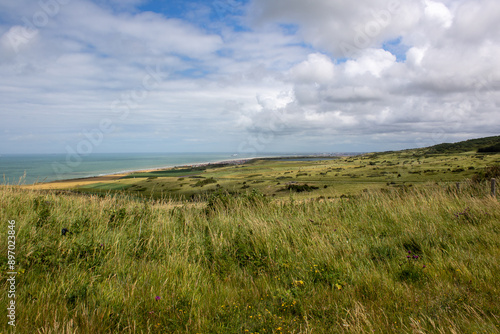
{"x":17,"y":169}
{"x":85,"y":181}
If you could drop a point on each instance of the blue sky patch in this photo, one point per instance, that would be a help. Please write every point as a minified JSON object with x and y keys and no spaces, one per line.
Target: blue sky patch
{"x":396,"y":48}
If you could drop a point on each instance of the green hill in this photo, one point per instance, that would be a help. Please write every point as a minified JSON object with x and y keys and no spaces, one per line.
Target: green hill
{"x":487,"y":144}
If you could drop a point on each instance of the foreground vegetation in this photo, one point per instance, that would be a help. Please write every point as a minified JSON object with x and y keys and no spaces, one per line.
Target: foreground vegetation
{"x":404,"y":260}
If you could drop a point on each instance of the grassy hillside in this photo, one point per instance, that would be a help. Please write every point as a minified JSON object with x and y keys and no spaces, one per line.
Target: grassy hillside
{"x":406,"y":260}
{"x":472,"y":145}
{"x":331,"y":178}
{"x":379,"y":243}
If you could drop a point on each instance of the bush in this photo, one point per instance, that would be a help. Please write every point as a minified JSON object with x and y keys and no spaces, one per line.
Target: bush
{"x":490,"y":149}
{"x":300,"y":187}
{"x":204,"y":182}
{"x":487,"y":174}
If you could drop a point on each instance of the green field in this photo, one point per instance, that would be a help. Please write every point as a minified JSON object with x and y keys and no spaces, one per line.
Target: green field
{"x":390,"y":245}
{"x":333,"y":178}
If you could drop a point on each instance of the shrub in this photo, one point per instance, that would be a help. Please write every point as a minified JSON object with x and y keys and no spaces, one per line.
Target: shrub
{"x":300,"y":187}
{"x":490,"y":149}
{"x":204,"y":182}
{"x":487,"y":174}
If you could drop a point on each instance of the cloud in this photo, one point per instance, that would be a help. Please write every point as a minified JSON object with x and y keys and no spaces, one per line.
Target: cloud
{"x":285,"y":75}
{"x":371,"y":61}
{"x":438,"y":12}
{"x":338,"y":27}
{"x":432,"y":92}
{"x":476,"y":21}
{"x":318,"y":68}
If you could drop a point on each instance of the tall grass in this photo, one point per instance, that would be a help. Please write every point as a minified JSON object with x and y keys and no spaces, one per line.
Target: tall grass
{"x":420,"y":260}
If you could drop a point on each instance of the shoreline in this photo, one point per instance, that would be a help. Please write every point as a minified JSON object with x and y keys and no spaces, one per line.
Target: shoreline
{"x":79,"y":181}
{"x":118,"y":175}
{"x":148,"y":170}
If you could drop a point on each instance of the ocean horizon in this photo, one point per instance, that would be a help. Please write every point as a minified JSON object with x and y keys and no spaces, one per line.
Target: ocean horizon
{"x":34,"y":168}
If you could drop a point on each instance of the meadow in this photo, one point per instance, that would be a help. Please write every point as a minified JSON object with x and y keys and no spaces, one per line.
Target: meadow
{"x":372,"y":252}
{"x":275,"y":178}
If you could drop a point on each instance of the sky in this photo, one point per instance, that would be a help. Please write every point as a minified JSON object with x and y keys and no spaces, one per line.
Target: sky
{"x":246,"y":76}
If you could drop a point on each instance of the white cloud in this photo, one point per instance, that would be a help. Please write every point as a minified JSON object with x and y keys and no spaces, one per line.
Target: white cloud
{"x":334,"y":25}
{"x":318,"y":68}
{"x":438,"y":12}
{"x":15,"y":39}
{"x":415,"y":55}
{"x":221,"y":84}
{"x":371,"y":61}
{"x":476,"y":21}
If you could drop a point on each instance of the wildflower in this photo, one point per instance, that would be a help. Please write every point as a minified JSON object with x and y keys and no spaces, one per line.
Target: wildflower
{"x":157,"y":297}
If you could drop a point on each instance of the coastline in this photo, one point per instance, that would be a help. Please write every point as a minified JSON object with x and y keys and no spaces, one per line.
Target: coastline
{"x":113,"y":176}
{"x":148,"y":170}
{"x":75,"y":182}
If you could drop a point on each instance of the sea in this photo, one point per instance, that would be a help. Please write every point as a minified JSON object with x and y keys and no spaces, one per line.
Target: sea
{"x":35,"y":168}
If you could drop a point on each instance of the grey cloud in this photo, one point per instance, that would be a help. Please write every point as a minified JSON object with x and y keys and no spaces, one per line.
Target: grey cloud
{"x":335,"y":26}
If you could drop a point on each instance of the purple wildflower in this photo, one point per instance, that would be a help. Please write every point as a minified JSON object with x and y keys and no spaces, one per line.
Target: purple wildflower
{"x":158,"y":298}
